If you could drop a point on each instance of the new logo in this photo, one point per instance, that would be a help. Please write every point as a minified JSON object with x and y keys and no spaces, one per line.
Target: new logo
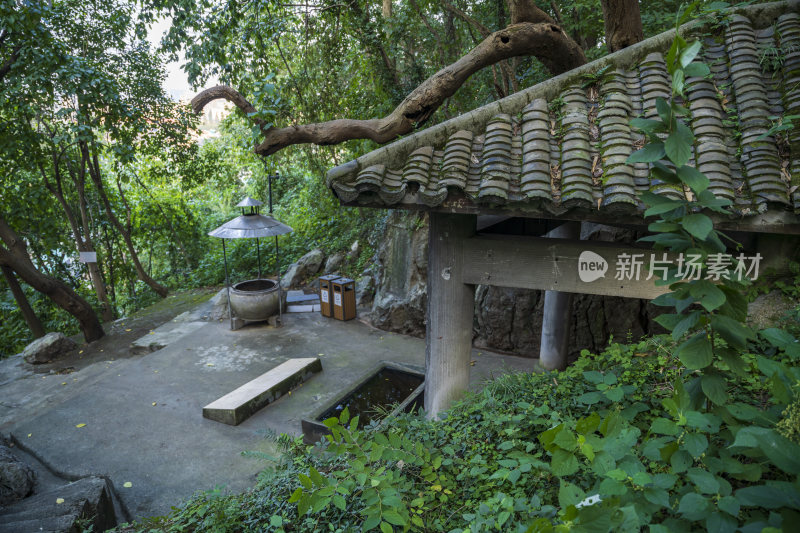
{"x":591,"y":266}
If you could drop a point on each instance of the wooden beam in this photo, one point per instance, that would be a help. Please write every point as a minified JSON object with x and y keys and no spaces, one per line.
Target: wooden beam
{"x":551,"y":265}
{"x":451,"y":305}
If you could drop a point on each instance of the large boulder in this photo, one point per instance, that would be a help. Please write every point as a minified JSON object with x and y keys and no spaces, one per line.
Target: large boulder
{"x":365,"y":290}
{"x":304,"y":268}
{"x":333,"y":263}
{"x":17,"y":478}
{"x":48,"y":348}
{"x":219,"y":306}
{"x":402,"y":263}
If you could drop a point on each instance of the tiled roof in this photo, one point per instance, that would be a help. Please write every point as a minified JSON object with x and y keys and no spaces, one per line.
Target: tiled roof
{"x":559,"y":147}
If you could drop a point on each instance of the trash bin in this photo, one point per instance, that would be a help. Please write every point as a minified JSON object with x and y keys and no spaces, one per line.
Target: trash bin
{"x":344,"y":298}
{"x":326,"y":294}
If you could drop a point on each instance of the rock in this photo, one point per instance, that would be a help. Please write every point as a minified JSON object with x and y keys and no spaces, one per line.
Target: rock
{"x":355,"y":249}
{"x":17,"y":478}
{"x":219,"y":306}
{"x":401,"y":265}
{"x":333,"y":263}
{"x":86,"y":499}
{"x":304,"y":268}
{"x":50,"y":347}
{"x":365,"y":290}
{"x":768,"y":310}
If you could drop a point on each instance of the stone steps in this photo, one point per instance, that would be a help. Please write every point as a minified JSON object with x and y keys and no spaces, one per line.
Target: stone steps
{"x":88,"y":498}
{"x":239,"y":405}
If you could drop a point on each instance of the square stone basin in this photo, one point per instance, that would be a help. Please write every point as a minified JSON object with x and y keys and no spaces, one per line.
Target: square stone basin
{"x":386,"y":385}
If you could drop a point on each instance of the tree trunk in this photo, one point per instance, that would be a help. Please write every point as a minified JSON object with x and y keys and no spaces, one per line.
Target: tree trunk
{"x":83,"y":243}
{"x":94,"y":172}
{"x":623,"y":23}
{"x":22,"y":302}
{"x":16,"y":257}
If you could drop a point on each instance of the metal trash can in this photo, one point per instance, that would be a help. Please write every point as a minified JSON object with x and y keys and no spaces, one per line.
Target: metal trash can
{"x":326,"y":294}
{"x":344,"y":298}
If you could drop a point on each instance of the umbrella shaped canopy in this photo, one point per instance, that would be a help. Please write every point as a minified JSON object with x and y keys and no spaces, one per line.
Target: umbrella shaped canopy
{"x":250,"y":227}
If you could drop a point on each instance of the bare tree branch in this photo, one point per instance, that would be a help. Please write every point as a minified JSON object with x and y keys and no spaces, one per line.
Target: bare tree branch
{"x":554,"y":48}
{"x":228,"y":93}
{"x":485,"y":32}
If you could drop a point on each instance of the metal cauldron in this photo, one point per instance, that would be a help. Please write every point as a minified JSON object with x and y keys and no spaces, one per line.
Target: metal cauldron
{"x":255,"y":299}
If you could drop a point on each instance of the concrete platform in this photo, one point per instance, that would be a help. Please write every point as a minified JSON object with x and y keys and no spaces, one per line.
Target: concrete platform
{"x":240,"y":404}
{"x":140,"y":416}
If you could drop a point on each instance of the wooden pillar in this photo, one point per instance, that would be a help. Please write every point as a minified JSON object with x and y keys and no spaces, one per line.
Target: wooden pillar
{"x":556,"y":313}
{"x":450,"y":312}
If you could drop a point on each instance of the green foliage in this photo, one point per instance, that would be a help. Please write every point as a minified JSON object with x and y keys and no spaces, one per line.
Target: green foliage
{"x":696,"y":430}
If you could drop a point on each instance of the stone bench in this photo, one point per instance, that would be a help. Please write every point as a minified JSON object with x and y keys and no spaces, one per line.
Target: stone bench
{"x":239,"y":405}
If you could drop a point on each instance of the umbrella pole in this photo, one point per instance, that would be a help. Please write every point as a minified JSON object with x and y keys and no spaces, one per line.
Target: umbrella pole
{"x":280,"y":288}
{"x":227,"y":282}
{"x":258,"y":250}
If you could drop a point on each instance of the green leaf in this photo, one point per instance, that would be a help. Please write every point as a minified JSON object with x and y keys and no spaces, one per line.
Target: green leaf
{"x":657,"y":496}
{"x":696,"y":352}
{"x":782,"y":452}
{"x":732,"y":331}
{"x":564,"y":463}
{"x":669,"y":320}
{"x":664,"y":110}
{"x":295,"y":495}
{"x":678,"y":150}
{"x":771,"y":496}
{"x":569,"y":494}
{"x":647,"y":125}
{"x":714,"y":387}
{"x":729,"y":504}
{"x":696,"y":180}
{"x":685,"y":325}
{"x":386,"y":528}
{"x":305,"y":481}
{"x":680,"y":461}
{"x":783,"y":340}
{"x":693,"y":506}
{"x":695,"y":444}
{"x":593,"y":376}
{"x":678,"y":82}
{"x":339,"y":502}
{"x":663,"y":426}
{"x":394,"y":518}
{"x":721,"y":523}
{"x":275,"y":521}
{"x":698,"y":225}
{"x":651,"y":152}
{"x":662,"y":208}
{"x":614,"y":394}
{"x":696,"y":70}
{"x":688,"y":54}
{"x":709,"y":295}
{"x":372,"y":520}
{"x":704,"y":480}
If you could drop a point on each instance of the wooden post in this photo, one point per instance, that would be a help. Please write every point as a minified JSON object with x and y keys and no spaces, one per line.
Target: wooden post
{"x":450,"y":311}
{"x":556,"y":313}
